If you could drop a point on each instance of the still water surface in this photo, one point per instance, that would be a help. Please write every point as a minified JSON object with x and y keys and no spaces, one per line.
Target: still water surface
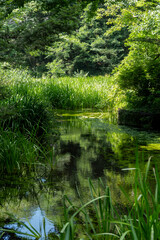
{"x":88,"y":147}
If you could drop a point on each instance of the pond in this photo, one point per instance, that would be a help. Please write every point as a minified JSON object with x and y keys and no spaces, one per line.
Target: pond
{"x":89,"y":146}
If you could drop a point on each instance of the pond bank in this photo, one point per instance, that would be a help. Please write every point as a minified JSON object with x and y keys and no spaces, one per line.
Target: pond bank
{"x":139,"y":119}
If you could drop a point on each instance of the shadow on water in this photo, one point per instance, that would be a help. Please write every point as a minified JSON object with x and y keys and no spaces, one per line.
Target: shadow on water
{"x":88,"y":147}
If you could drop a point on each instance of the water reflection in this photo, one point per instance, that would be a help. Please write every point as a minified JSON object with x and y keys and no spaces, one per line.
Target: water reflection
{"x":89,"y":147}
{"x":36,"y":220}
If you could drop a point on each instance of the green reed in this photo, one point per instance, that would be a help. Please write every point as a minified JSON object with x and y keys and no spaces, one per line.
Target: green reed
{"x":99,"y":219}
{"x":144,"y":216}
{"x":16,"y":150}
{"x":66,"y":92}
{"x":24,"y":121}
{"x":82,"y":92}
{"x":25,"y":113}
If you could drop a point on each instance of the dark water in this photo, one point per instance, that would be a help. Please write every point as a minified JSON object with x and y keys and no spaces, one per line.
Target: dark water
{"x":88,"y":147}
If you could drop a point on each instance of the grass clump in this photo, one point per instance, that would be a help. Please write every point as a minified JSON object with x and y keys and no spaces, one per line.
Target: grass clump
{"x":24,"y":124}
{"x":23,"y":110}
{"x":24,"y":121}
{"x":16,"y":150}
{"x":25,"y":113}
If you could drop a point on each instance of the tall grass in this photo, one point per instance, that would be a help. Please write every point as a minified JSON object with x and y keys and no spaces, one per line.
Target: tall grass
{"x":82,"y":92}
{"x":92,"y":219}
{"x":24,"y":121}
{"x":16,"y":150}
{"x":25,"y":113}
{"x":67,"y":92}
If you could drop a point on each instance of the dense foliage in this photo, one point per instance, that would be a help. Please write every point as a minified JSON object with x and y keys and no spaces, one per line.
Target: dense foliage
{"x":60,"y":36}
{"x":27,"y":27}
{"x":88,"y":50}
{"x":139,"y":71}
{"x":55,"y":38}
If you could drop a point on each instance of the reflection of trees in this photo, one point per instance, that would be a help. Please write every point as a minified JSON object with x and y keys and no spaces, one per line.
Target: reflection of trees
{"x":20,"y":193}
{"x":70,"y":170}
{"x":101,"y":152}
{"x":87,"y":149}
{"x":79,"y":161}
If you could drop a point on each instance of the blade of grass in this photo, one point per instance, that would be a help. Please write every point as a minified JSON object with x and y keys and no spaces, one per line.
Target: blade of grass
{"x":106,"y":234}
{"x":124,"y":234}
{"x":18,"y":232}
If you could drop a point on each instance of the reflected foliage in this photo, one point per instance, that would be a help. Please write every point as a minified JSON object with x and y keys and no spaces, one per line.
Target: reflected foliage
{"x":86,"y":149}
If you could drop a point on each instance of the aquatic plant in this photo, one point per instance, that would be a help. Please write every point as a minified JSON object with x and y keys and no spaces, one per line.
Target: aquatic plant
{"x":99,"y":219}
{"x":66,"y":92}
{"x":16,"y":150}
{"x":25,"y":114}
{"x":82,"y":92}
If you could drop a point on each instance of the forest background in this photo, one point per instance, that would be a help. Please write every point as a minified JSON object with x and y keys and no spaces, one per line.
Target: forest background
{"x":59,"y":38}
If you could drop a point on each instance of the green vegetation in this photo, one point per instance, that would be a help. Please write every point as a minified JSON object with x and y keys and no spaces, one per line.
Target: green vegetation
{"x":25,"y":114}
{"x":26,"y":108}
{"x":88,"y":37}
{"x":24,"y":121}
{"x":16,"y":151}
{"x":28,"y":27}
{"x":65,"y":40}
{"x":100,"y":219}
{"x":82,"y":92}
{"x":138,"y":73}
{"x":88,"y":50}
{"x":40,"y":94}
{"x":58,"y":54}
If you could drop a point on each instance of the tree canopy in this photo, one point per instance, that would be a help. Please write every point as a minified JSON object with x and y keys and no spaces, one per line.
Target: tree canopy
{"x":88,"y":50}
{"x":27,"y":25}
{"x":139,"y":71}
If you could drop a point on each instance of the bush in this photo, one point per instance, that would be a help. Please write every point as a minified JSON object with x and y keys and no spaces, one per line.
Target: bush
{"x":139,"y":75}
